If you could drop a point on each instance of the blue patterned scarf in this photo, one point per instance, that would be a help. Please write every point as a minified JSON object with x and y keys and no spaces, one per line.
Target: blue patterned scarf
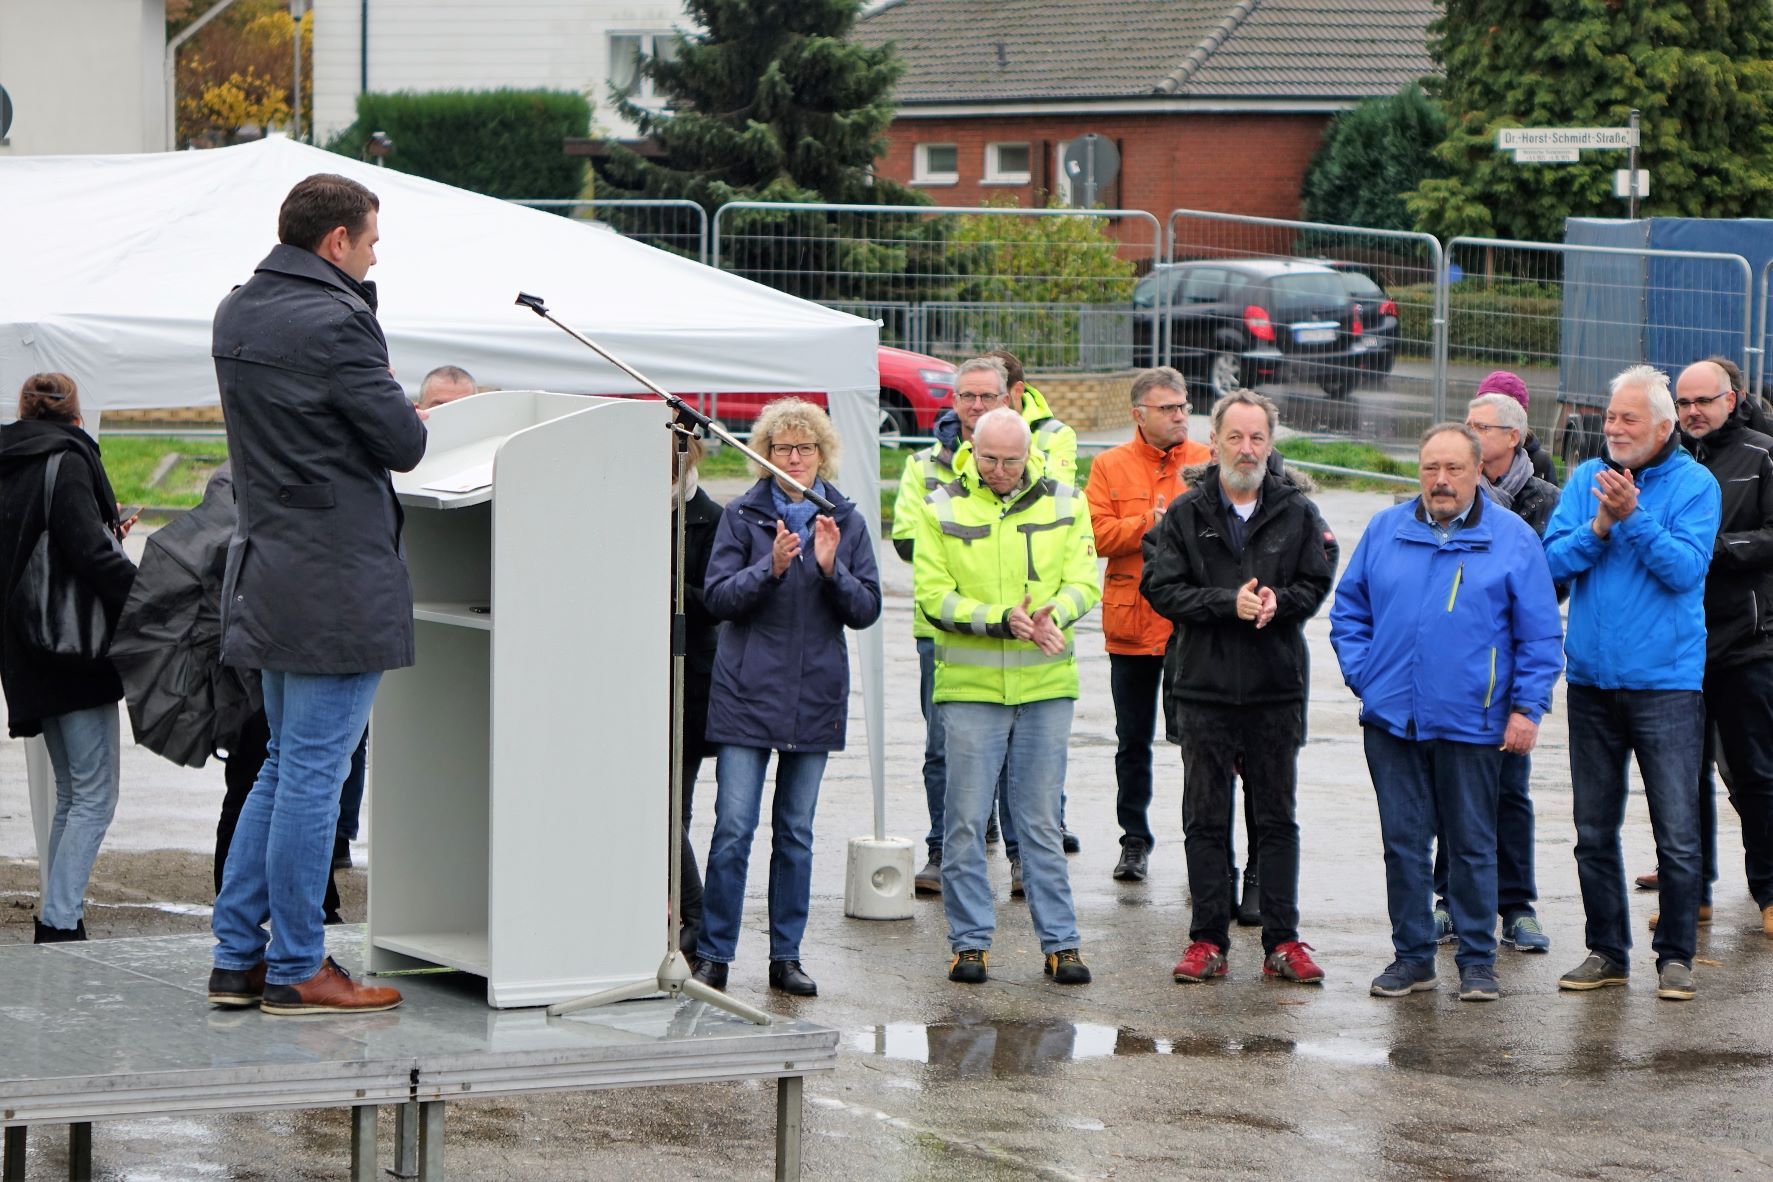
{"x":798,"y":514}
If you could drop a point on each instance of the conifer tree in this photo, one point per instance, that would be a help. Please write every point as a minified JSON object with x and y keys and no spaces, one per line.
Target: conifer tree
{"x":1699,"y":71}
{"x":772,"y":101}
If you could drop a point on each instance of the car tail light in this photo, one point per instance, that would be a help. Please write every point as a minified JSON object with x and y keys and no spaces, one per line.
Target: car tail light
{"x":1388,"y":308}
{"x":1356,"y":328}
{"x":1257,"y":321}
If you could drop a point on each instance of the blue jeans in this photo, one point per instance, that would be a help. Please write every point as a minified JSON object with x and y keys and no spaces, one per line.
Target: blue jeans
{"x":935,"y":760}
{"x":1029,"y":741}
{"x":1665,"y":730}
{"x":281,"y":856}
{"x":738,"y":800}
{"x":1515,"y":886}
{"x":83,"y":750}
{"x":1425,"y":785}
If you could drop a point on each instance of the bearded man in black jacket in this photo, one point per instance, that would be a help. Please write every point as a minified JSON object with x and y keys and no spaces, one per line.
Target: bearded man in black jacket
{"x":1238,"y":564}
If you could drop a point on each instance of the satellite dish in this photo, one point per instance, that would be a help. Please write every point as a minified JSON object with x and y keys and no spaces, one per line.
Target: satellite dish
{"x":5,"y":114}
{"x":1090,"y":162}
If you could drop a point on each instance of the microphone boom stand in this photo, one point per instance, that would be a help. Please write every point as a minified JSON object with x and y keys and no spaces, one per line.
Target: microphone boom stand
{"x":674,"y":978}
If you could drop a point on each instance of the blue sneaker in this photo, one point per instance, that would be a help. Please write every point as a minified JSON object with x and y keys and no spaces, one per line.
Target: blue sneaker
{"x":1443,"y":927}
{"x":1477,"y":982}
{"x":1403,"y":978}
{"x":1523,"y":933}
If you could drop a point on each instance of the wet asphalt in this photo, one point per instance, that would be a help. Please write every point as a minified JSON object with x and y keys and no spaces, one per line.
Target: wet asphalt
{"x":1135,"y":1076}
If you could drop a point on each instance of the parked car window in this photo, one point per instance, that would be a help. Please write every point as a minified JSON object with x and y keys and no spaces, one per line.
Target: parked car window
{"x":1359,"y":284}
{"x":1205,"y":285}
{"x":1307,"y":287}
{"x":1145,"y":291}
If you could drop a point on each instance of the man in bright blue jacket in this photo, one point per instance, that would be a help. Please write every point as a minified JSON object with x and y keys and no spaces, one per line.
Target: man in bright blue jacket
{"x":1446,"y":628}
{"x":1632,"y":536}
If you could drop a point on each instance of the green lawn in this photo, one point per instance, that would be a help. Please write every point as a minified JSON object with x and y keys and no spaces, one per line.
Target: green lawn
{"x":132,"y":460}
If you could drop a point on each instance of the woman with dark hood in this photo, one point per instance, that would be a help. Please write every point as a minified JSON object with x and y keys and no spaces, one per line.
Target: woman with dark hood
{"x":71,"y":703}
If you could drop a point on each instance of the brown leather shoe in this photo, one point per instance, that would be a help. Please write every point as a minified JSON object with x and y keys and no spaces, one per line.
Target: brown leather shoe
{"x":1767,"y":921}
{"x":1704,"y":916}
{"x":330,"y":991}
{"x":237,"y":988}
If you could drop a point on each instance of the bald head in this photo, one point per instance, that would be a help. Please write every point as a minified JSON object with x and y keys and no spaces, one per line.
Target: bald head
{"x":1000,"y":449}
{"x":1703,"y":398}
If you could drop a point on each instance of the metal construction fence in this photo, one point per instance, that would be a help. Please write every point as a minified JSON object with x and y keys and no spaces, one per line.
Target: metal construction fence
{"x":1229,"y":300}
{"x":1231,"y":275}
{"x":678,"y":225}
{"x":1567,"y":317}
{"x":1054,"y":286}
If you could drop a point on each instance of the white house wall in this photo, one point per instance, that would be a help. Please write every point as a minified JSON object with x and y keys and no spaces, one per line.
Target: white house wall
{"x":85,"y":76}
{"x":425,"y":45}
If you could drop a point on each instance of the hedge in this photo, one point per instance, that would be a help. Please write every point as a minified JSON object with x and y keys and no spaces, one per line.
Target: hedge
{"x":1517,"y":321}
{"x":504,"y":143}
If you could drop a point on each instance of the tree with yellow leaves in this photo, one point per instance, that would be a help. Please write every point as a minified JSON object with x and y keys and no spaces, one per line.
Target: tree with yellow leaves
{"x":238,"y":70}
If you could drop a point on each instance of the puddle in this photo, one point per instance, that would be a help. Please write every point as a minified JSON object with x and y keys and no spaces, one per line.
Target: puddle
{"x":981,"y":1049}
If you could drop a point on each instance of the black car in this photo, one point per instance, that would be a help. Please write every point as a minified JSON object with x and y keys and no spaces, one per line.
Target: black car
{"x":1242,"y":322}
{"x":1379,"y":318}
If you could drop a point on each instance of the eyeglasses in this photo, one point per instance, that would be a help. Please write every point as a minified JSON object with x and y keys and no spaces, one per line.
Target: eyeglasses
{"x":1488,"y":427}
{"x":783,"y":450}
{"x":1171,"y":409}
{"x":1690,"y":403}
{"x":981,"y":399}
{"x":1001,"y":463}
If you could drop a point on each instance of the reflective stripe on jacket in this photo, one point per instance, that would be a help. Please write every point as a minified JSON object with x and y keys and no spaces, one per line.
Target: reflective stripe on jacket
{"x":977,"y":557}
{"x":1056,"y":443}
{"x":925,"y":472}
{"x":1124,"y":484}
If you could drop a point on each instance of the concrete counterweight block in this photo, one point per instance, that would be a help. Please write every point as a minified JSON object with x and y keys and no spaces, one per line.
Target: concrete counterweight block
{"x":878,"y":882}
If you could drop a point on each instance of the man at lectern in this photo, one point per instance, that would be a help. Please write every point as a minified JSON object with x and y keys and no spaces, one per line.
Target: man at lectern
{"x":316,"y":595}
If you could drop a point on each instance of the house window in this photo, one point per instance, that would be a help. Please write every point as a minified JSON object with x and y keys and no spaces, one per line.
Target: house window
{"x":936,"y":164}
{"x":627,"y":51}
{"x":1007,"y":164}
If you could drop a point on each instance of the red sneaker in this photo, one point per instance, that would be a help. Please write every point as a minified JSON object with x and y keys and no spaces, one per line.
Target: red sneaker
{"x":1203,"y":961}
{"x":1292,"y":962}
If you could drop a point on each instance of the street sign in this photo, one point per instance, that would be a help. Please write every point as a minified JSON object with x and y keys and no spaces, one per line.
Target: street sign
{"x":1090,"y":162}
{"x":1547,"y":155}
{"x":1567,"y":137}
{"x":1622,"y":183}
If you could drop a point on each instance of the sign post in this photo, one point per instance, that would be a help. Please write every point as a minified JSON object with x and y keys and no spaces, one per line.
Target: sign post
{"x":1565,"y":145}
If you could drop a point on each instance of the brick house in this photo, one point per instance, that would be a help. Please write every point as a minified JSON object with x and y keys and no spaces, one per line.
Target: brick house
{"x":1212,"y":104}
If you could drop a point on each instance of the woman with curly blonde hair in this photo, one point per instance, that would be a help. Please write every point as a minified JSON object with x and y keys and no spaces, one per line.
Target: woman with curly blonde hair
{"x":787,"y":580}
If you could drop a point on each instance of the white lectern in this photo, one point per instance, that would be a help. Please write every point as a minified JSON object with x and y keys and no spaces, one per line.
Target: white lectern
{"x":519,"y":790}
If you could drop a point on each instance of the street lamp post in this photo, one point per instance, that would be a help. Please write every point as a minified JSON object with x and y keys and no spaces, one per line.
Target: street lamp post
{"x":295,"y":110}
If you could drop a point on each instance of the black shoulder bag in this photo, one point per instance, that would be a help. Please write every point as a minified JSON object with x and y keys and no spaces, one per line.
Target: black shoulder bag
{"x":54,"y":613}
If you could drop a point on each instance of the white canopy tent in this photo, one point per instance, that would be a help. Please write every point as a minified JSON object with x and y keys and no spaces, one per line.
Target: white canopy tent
{"x":114,"y":265}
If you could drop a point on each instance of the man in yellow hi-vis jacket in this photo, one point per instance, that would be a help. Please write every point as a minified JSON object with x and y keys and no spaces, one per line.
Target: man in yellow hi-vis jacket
{"x":1005,"y":564}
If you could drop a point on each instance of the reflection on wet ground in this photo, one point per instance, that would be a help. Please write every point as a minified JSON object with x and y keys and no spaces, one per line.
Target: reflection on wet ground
{"x":982,"y":1049}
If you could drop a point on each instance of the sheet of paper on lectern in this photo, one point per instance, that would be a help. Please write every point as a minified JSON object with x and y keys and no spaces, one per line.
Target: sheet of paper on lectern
{"x":466,"y":481}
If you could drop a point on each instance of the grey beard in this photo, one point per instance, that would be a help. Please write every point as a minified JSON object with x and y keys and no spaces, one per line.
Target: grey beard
{"x":1232,"y":477}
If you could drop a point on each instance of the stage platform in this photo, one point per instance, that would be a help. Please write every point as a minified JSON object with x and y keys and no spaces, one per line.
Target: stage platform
{"x":111,"y":1029}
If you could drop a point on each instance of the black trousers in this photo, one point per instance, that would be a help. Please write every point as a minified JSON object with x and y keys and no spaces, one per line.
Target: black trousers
{"x":1264,"y":741}
{"x":1136,"y":683}
{"x":689,"y":926}
{"x":1739,"y":702}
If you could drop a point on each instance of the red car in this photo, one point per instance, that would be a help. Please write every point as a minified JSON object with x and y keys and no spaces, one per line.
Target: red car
{"x":914,"y":389}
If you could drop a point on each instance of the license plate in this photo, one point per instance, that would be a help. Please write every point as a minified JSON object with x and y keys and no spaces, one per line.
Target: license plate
{"x":1314,"y":334}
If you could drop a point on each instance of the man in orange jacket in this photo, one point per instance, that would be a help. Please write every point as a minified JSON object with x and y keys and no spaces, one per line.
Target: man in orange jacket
{"x":1130,"y":487}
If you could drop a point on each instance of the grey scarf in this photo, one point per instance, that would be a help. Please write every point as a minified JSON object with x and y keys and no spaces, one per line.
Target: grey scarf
{"x":1504,"y":491}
